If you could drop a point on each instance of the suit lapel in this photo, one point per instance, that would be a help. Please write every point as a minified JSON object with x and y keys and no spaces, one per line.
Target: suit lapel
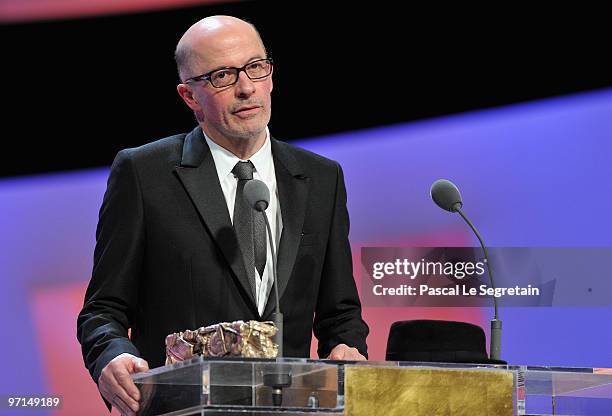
{"x":199,"y":176}
{"x":293,"y":188}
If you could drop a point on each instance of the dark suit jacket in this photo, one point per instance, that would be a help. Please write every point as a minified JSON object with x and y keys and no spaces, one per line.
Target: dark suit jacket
{"x":167,"y":258}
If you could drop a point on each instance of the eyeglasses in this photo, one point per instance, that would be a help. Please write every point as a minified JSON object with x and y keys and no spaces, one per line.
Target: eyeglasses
{"x":224,"y":77}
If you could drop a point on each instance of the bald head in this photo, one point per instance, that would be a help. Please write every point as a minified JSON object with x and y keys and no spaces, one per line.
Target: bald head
{"x":210,"y":38}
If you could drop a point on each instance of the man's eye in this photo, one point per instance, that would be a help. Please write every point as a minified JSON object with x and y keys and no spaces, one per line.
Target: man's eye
{"x":221,"y":75}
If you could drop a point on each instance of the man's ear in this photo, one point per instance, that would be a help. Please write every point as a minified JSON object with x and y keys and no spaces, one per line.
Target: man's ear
{"x":187,"y":95}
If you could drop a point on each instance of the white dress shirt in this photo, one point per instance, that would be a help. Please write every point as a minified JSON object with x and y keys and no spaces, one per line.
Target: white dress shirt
{"x":264,"y":171}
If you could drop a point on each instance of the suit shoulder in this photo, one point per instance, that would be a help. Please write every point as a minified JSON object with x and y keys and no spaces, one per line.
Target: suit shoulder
{"x":308,"y":158}
{"x":163,"y":150}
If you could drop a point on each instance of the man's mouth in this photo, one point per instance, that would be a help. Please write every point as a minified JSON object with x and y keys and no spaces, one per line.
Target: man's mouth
{"x":247,"y":111}
{"x":246,"y":108}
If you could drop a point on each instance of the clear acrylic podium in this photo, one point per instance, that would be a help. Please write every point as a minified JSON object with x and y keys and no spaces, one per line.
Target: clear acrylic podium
{"x":288,"y":386}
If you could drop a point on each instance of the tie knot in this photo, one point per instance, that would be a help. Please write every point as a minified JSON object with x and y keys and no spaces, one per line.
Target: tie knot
{"x":243,"y":170}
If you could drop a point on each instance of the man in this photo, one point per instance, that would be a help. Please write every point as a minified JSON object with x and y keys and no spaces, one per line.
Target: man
{"x":169,"y":258}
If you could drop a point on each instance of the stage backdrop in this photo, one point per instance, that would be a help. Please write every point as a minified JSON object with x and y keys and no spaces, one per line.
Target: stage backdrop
{"x":532,"y":175}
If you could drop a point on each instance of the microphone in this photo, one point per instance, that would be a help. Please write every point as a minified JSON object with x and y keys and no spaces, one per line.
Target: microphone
{"x":446,"y":195}
{"x":257,"y":196}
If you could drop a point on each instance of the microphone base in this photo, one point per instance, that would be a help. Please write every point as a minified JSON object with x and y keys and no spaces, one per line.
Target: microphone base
{"x":277,"y":381}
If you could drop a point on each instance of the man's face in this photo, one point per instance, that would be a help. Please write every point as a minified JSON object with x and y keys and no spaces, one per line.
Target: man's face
{"x":241,"y":110}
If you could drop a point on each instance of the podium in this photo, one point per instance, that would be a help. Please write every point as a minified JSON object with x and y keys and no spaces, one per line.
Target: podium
{"x":288,"y":386}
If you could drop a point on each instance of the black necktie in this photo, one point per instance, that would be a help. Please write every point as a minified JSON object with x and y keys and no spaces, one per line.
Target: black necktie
{"x":249,"y":225}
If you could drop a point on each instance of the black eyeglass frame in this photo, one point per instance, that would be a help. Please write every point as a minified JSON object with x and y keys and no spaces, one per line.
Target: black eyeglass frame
{"x":208,"y":76}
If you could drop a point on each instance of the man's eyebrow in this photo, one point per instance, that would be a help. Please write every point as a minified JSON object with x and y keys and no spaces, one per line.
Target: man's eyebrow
{"x":254,"y":58}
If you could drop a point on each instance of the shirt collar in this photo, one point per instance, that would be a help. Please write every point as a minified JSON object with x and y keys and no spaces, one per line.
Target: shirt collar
{"x":226,"y":160}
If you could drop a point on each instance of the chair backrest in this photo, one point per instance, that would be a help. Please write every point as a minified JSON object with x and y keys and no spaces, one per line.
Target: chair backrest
{"x":437,"y":341}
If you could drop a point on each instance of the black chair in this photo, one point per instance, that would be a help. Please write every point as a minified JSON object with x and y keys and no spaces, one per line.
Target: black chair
{"x":437,"y":341}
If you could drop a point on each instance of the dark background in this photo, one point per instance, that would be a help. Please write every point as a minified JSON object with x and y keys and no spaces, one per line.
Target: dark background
{"x":75,"y":92}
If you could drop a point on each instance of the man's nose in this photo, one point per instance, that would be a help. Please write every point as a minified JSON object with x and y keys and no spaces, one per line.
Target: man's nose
{"x":245,"y":87}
